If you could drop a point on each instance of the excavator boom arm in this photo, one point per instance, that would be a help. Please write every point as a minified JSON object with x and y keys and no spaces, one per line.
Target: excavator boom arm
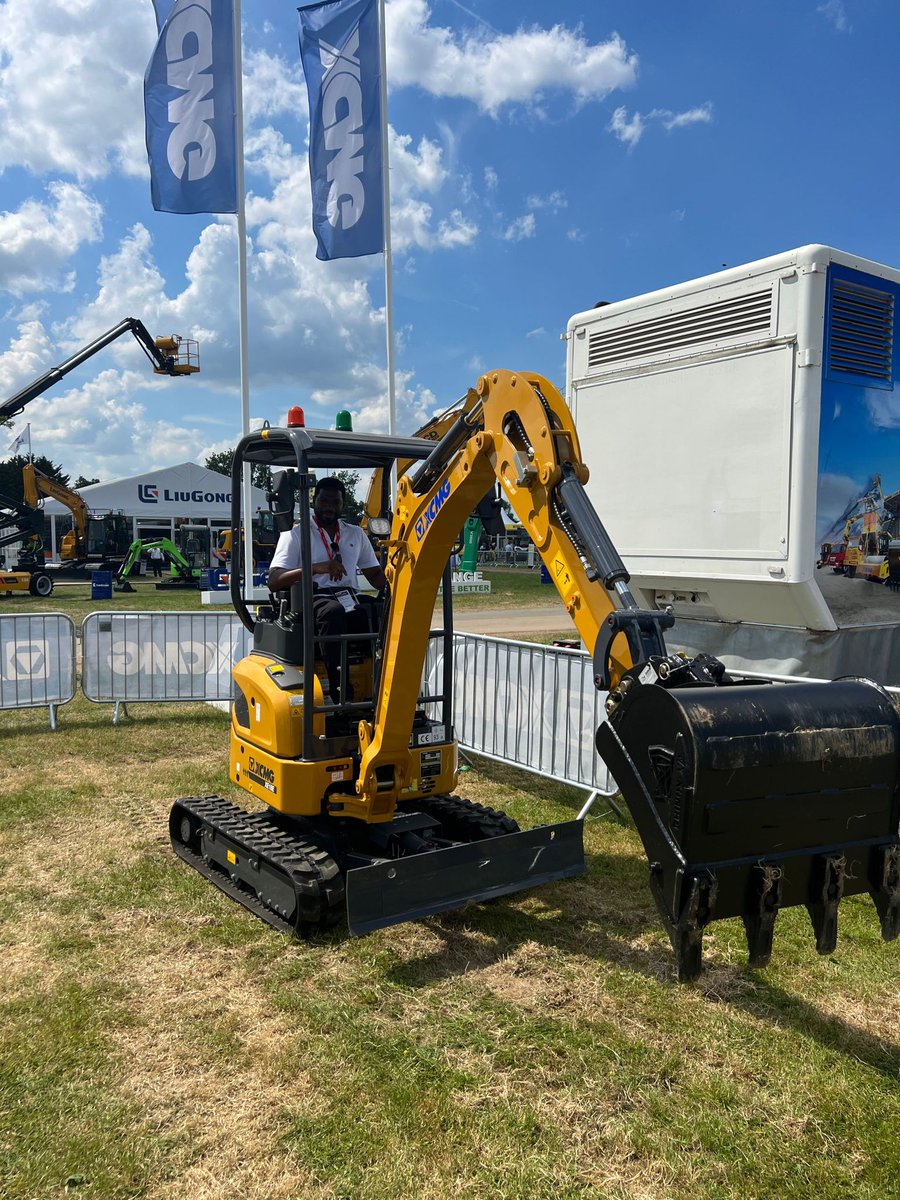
{"x":519,"y":433}
{"x":37,"y":485}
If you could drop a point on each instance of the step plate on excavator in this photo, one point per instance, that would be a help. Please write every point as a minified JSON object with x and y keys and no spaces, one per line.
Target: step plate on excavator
{"x":406,"y":889}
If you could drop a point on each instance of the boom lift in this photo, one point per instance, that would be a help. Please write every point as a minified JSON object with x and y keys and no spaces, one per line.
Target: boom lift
{"x":748,"y":797}
{"x":171,"y":355}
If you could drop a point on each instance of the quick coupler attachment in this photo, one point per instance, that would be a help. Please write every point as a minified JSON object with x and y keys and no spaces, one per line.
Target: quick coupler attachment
{"x":752,"y":798}
{"x":420,"y":885}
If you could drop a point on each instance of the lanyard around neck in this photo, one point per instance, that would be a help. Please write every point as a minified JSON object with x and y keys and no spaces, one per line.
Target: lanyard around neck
{"x":331,"y":545}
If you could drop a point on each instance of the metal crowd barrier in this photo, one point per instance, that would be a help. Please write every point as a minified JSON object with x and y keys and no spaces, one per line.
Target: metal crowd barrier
{"x":534,"y":707}
{"x":151,"y":657}
{"x":530,"y":706}
{"x":37,"y":661}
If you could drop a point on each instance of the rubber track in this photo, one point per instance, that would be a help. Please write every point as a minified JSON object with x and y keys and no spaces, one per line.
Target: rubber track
{"x":312,"y":873}
{"x":464,"y":820}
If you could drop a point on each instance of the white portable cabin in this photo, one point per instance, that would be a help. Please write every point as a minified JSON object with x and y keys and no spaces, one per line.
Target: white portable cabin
{"x":739,"y":428}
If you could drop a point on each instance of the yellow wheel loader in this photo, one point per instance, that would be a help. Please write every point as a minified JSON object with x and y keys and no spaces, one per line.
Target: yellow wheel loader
{"x":748,"y":797}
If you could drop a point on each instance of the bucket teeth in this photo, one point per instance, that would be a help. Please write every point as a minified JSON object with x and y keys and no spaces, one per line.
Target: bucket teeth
{"x":826,"y":890}
{"x":759,"y":919}
{"x":687,"y":933}
{"x":885,"y":888}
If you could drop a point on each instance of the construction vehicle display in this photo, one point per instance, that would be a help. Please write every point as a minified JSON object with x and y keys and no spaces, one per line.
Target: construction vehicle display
{"x":93,"y":538}
{"x":186,"y":561}
{"x":748,"y":797}
{"x":265,"y":538}
{"x":23,"y":525}
{"x":171,"y":355}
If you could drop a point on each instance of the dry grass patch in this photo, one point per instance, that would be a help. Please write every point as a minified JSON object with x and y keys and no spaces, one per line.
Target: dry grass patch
{"x":535,"y":1048}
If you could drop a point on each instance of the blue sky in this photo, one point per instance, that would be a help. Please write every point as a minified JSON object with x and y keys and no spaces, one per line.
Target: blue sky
{"x":543,"y":158}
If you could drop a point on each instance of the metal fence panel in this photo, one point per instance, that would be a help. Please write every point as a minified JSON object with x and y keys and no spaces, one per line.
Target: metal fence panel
{"x":160,"y":656}
{"x":528,"y":705}
{"x":37,"y":660}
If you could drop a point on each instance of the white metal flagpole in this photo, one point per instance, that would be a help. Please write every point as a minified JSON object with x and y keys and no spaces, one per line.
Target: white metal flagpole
{"x":247,"y":500}
{"x":28,"y":431}
{"x":386,"y":202}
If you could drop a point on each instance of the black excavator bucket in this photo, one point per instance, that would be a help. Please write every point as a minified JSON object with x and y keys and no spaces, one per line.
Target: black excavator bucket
{"x":750,"y":798}
{"x":407,"y":889}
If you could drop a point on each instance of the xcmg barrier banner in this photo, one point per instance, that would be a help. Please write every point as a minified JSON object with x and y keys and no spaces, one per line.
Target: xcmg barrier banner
{"x":532,"y":706}
{"x":342,"y":63}
{"x":161,"y":656}
{"x":189,"y":103}
{"x":37,"y":660}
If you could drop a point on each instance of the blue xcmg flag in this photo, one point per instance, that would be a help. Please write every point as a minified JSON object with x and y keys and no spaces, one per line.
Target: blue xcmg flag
{"x":341,"y":61}
{"x":189,"y":108}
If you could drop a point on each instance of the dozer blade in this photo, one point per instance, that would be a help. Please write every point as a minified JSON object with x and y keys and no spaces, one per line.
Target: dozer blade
{"x":753,"y":798}
{"x":420,"y":885}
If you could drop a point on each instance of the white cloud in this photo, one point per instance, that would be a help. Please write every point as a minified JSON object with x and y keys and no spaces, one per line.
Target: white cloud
{"x":38,"y":239}
{"x":100,"y":428}
{"x":834,"y":12}
{"x":555,"y":201}
{"x":575,"y":235}
{"x":536,"y":333}
{"x":627,"y":130}
{"x":272,"y":87}
{"x":28,"y":356}
{"x":491,"y":179}
{"x":522,"y":227}
{"x":421,"y":170}
{"x":71,"y":75}
{"x":701,"y":115}
{"x":630,"y":130}
{"x":517,"y":68}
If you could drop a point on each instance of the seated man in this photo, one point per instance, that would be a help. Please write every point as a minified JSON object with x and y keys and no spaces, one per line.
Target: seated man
{"x":338,"y":550}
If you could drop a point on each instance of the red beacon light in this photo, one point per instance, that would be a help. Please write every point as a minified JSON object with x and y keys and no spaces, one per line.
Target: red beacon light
{"x":296,"y":419}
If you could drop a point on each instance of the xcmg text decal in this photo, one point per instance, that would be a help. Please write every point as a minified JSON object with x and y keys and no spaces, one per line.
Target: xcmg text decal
{"x":432,"y":510}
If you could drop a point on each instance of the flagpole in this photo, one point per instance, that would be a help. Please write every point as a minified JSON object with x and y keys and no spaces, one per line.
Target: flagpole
{"x":247,"y":495}
{"x":28,"y":431}
{"x":386,"y":216}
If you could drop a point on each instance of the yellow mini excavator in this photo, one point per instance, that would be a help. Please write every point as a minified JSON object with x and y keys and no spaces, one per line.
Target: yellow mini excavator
{"x":748,"y":797}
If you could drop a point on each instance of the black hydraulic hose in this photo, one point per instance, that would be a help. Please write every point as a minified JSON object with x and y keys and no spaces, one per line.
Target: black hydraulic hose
{"x":595,"y":542}
{"x":426,"y":474}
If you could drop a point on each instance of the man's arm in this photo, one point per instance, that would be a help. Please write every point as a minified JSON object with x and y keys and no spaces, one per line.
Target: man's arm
{"x":375,"y":576}
{"x":282,"y":579}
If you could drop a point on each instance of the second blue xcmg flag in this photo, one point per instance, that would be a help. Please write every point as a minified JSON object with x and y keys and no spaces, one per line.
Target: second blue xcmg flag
{"x":339,"y":49}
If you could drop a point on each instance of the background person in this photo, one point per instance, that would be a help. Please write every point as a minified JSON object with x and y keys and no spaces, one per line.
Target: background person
{"x":157,"y":558}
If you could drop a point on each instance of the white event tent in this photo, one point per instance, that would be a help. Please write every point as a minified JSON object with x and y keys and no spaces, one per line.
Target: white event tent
{"x":155,"y":501}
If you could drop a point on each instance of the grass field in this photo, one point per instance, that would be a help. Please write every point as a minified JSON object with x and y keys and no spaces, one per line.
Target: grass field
{"x":156,"y":1042}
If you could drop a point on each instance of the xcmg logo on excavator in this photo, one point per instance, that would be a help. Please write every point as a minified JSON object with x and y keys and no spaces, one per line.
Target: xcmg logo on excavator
{"x":432,"y":510}
{"x":261,"y":773}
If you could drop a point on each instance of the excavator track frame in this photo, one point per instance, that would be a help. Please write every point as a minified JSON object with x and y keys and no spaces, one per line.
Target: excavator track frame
{"x":296,"y":876}
{"x":208,"y":831}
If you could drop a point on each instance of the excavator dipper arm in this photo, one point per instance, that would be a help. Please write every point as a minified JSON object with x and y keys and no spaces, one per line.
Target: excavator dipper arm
{"x":748,"y":797}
